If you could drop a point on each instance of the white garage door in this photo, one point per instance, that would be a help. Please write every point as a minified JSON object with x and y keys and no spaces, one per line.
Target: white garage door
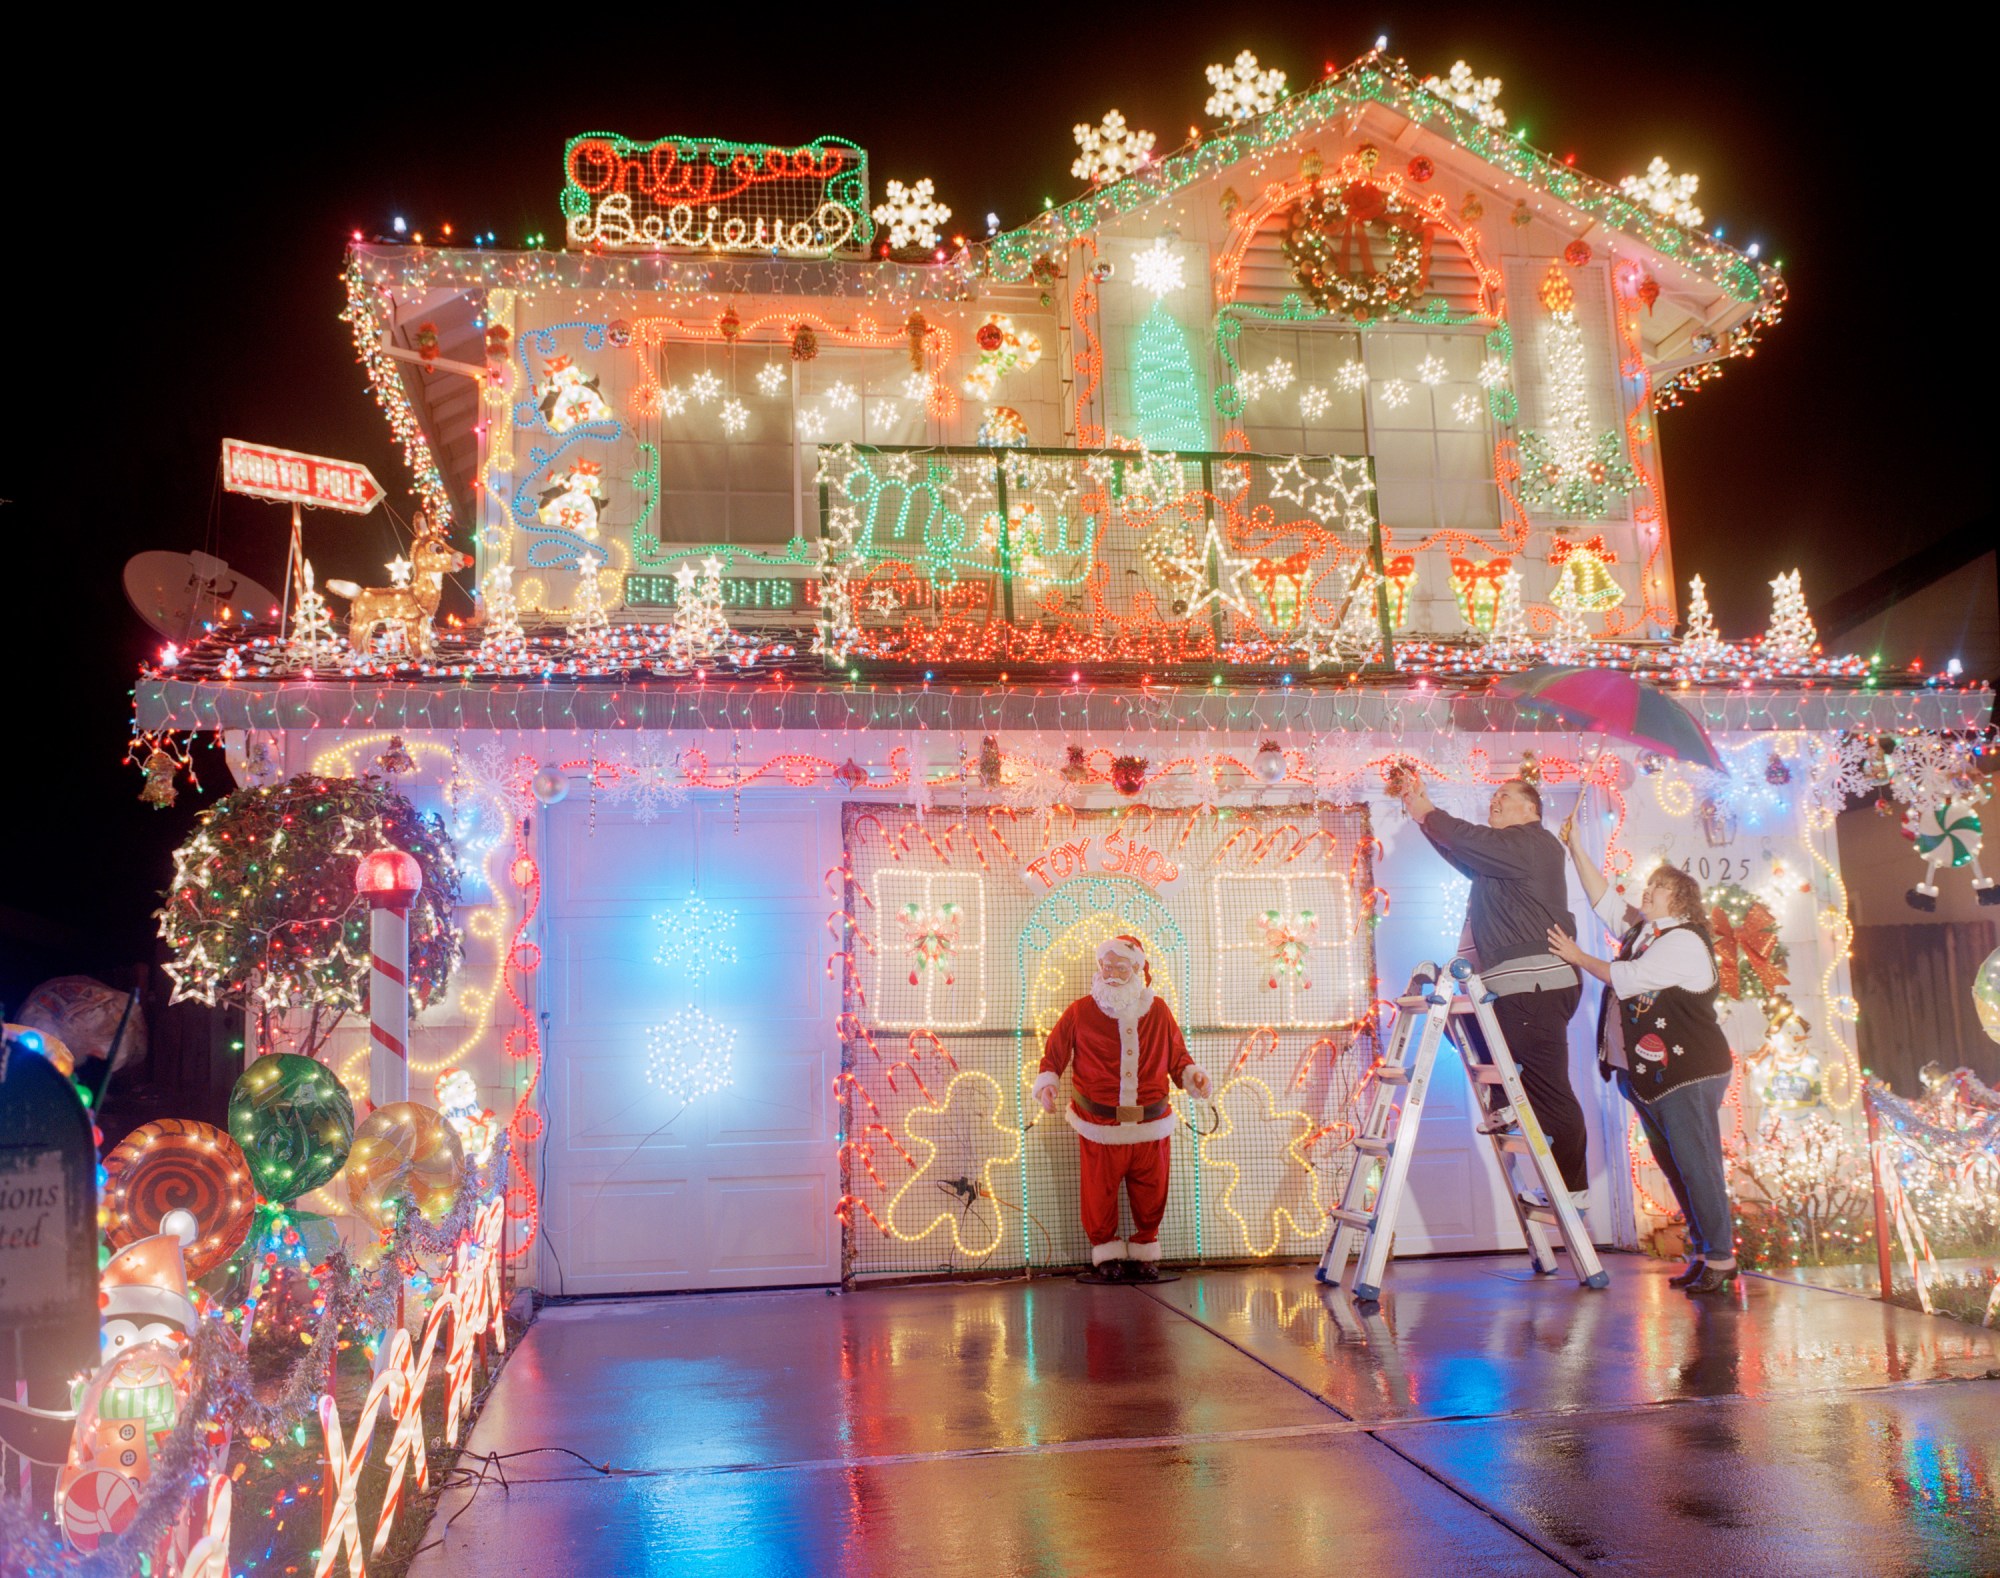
{"x":738,"y":1190}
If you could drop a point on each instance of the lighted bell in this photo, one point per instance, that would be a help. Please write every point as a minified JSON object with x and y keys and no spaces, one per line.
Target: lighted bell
{"x":388,"y":873}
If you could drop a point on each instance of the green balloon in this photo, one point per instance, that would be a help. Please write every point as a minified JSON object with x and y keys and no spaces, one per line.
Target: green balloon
{"x":295,"y":1123}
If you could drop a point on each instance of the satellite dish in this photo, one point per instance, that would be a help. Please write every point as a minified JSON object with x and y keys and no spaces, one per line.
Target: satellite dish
{"x":180,"y":594}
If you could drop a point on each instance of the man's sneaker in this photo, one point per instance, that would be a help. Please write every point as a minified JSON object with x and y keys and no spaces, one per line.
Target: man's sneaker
{"x":1539,"y":1199}
{"x":1499,"y":1121}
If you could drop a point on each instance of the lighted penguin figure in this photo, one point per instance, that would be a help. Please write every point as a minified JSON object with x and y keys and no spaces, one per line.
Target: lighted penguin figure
{"x":569,"y":399}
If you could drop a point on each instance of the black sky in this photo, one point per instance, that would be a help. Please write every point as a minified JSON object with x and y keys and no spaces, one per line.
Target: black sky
{"x":179,"y":282}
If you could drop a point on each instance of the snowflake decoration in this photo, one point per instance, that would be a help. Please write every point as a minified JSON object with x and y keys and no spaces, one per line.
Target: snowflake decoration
{"x":1479,"y":97}
{"x":1313,"y":402}
{"x":650,"y":783}
{"x":1159,"y":269}
{"x":697,"y":937}
{"x":1241,"y":90}
{"x":689,"y":1055}
{"x":704,"y":386}
{"x":735,"y":416}
{"x":916,"y":387}
{"x":770,"y":378}
{"x":1395,"y":393}
{"x":1668,"y":195}
{"x":1492,"y":373}
{"x":812,"y":423}
{"x":1277,"y":376}
{"x":1110,"y":151}
{"x":1431,"y":370}
{"x":840,"y":396}
{"x":673,"y":400}
{"x":1351,"y":378}
{"x":1465,"y":409}
{"x":913,"y":215}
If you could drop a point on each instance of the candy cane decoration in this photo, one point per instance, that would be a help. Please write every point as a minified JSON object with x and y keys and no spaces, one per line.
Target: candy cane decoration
{"x":340,"y":1519}
{"x":388,"y":879}
{"x":922,"y":1090}
{"x":843,"y":1213}
{"x":406,"y":1413}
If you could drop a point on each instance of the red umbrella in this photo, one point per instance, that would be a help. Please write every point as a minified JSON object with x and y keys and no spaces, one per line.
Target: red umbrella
{"x":1610,"y":701}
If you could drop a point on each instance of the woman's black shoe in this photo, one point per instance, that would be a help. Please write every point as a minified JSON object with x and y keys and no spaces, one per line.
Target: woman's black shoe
{"x":1713,"y":1281}
{"x":1693,"y":1270}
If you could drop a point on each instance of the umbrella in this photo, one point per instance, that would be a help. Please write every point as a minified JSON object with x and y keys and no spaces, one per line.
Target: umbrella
{"x":1609,"y":701}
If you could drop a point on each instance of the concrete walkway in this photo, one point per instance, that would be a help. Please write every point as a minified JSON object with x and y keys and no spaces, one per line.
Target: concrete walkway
{"x":1481,"y":1421}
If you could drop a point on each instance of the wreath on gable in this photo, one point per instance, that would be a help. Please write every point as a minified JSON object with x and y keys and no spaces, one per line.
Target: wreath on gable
{"x":1335,"y":239}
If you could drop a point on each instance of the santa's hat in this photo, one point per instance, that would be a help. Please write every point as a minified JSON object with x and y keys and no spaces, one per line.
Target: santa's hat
{"x":147,"y":1281}
{"x":1127,"y":948}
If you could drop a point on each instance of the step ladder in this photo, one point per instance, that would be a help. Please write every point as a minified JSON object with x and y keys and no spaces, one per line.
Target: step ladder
{"x":1431,"y":1012}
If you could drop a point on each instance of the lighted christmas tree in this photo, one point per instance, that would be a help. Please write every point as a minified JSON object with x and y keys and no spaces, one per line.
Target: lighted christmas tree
{"x":1510,"y":619}
{"x":1567,"y":466}
{"x":588,"y":624}
{"x":313,"y":638}
{"x":700,"y":626}
{"x":1570,"y":637}
{"x":1164,"y":389}
{"x":1701,"y":644}
{"x":1792,"y":635}
{"x":502,"y":638}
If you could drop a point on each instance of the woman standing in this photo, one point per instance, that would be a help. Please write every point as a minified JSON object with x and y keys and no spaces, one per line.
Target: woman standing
{"x":1658,"y":1034}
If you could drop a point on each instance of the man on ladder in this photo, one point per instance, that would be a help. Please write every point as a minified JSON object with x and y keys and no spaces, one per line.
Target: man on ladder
{"x":1519,"y":890}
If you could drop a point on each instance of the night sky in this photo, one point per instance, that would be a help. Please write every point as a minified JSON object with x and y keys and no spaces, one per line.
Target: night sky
{"x":183,"y":285}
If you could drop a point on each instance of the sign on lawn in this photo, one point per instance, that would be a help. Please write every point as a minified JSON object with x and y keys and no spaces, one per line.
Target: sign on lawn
{"x":291,"y":478}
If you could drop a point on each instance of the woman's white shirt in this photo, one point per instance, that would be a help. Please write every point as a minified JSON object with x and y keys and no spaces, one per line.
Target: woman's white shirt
{"x":1669,"y":955}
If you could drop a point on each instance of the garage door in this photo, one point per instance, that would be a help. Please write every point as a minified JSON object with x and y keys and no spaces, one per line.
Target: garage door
{"x":737,"y":1188}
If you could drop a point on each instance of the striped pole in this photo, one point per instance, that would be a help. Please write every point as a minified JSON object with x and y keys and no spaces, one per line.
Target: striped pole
{"x":389,"y":880}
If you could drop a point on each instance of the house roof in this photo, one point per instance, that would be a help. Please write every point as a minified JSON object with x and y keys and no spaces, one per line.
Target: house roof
{"x":1745,"y":295}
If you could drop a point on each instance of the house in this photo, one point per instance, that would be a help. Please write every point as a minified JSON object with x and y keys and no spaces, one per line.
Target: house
{"x":871,"y":623}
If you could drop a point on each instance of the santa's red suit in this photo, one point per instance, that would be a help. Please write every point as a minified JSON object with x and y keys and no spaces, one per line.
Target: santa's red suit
{"x":1122,"y":1047}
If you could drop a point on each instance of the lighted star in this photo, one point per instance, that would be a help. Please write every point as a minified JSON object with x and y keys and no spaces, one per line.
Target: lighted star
{"x":1191,"y":570}
{"x":399,"y":571}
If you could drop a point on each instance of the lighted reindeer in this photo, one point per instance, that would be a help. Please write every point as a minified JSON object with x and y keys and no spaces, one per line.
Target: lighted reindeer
{"x":404,"y":609}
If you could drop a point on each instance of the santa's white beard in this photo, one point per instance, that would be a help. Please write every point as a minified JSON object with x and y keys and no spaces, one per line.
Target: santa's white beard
{"x":1125,"y":1001}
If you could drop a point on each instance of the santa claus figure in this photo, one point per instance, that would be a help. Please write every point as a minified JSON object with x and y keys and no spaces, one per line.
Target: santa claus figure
{"x":1122,"y":1047}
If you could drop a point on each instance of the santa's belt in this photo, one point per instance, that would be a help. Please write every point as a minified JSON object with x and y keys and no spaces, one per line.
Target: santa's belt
{"x":1097,"y":1109}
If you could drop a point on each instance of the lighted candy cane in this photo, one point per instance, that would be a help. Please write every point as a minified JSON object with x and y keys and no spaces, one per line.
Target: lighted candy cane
{"x":475,"y":1298}
{"x":1258,"y":1042}
{"x":208,"y":1557}
{"x":843,"y":1212}
{"x":901,"y":1063}
{"x":340,"y":1520}
{"x":406,"y":1413}
{"x":933,"y":1041}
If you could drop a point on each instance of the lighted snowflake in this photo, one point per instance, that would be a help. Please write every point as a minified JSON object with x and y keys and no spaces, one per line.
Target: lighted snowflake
{"x":1431,"y":370}
{"x":1159,"y":269}
{"x":916,"y":387}
{"x":1352,"y":376}
{"x":650,"y":782}
{"x":673,"y":400}
{"x":1110,"y":151}
{"x":812,"y":423}
{"x":1492,"y":373}
{"x":690,"y":1055}
{"x":704,"y":386}
{"x":1241,"y":90}
{"x":735,"y":416}
{"x":697,"y":936}
{"x":1277,"y":376}
{"x":1668,"y":195}
{"x":840,"y":396}
{"x":1313,"y":402}
{"x":1479,"y":97}
{"x":912,"y":214}
{"x":1466,"y":409}
{"x":1394,"y":394}
{"x":770,"y":378}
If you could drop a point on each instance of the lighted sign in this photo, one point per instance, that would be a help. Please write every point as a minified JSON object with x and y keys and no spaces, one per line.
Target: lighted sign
{"x":738,"y":591}
{"x":291,"y":478}
{"x":699,"y":194}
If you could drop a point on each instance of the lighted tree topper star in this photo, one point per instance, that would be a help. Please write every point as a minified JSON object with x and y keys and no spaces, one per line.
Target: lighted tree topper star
{"x":1241,"y":90}
{"x":913,"y":215}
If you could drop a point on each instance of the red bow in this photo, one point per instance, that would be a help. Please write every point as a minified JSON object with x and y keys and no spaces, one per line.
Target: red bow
{"x":1757,"y":941}
{"x":1562,"y":548}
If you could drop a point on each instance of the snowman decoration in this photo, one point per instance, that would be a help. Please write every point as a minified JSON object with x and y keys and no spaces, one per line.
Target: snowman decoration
{"x":1946,"y":830}
{"x":568,"y":398}
{"x":571,"y":501}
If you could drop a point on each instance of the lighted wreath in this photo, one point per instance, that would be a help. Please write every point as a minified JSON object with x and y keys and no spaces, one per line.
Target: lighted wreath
{"x":262,"y":909}
{"x":1749,"y":957}
{"x":1332,"y":236}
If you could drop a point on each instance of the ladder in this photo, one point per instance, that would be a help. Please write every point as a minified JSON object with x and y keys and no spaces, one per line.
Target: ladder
{"x":1428,"y":1013}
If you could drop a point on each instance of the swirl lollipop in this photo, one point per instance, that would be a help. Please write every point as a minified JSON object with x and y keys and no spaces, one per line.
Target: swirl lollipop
{"x":175,"y":1164}
{"x":404,"y":1147}
{"x":294,"y":1121}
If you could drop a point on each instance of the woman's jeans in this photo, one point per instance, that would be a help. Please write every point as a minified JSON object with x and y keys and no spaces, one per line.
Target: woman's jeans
{"x":1684,"y":1128}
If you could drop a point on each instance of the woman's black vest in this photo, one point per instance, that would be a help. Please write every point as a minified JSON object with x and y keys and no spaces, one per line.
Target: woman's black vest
{"x":1671,"y":1036}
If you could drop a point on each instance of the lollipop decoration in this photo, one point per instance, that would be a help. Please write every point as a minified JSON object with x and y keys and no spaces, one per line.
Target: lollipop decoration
{"x":175,"y":1164}
{"x":404,"y":1148}
{"x":294,"y":1121}
{"x":1947,"y":833}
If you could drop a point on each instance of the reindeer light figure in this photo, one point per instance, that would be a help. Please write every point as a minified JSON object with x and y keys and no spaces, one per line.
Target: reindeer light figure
{"x":407,"y":609}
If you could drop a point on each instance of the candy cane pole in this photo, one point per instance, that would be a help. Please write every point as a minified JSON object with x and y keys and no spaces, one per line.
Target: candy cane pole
{"x":388,"y":879}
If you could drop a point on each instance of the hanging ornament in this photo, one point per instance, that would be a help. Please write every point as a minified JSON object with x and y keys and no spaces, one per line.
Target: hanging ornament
{"x":1776,"y":773}
{"x":499,"y":340}
{"x":1718,"y":824}
{"x":988,"y":336}
{"x":1520,"y":217}
{"x":1531,"y":768}
{"x":1312,"y":164}
{"x":805,"y":343}
{"x":918,"y":331}
{"x":1421,"y":168}
{"x":1368,"y":156}
{"x":1649,"y":763}
{"x":730,"y":325}
{"x":1577,"y":253}
{"x":1076,"y":766}
{"x":549,"y":786}
{"x":618,"y":332}
{"x":851,"y":773}
{"x":1128,"y":774}
{"x":396,"y":758}
{"x":1269,"y":763}
{"x":1472,"y":208}
{"x":989,"y":763}
{"x":159,"y":790}
{"x":1648,"y":293}
{"x":1233,"y":200}
{"x":427,"y":342}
